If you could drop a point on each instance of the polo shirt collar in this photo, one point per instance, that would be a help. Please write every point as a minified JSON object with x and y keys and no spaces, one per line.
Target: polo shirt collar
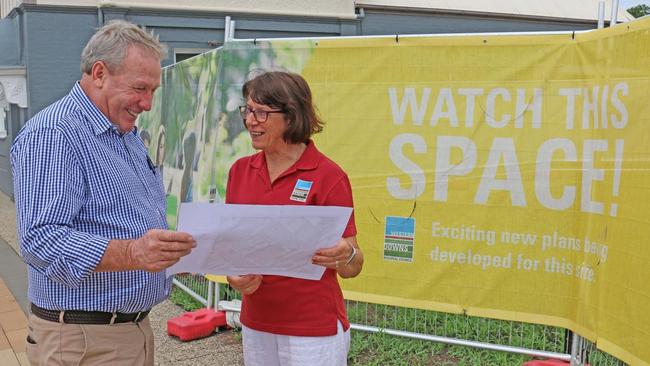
{"x":307,"y":161}
{"x":98,"y":121}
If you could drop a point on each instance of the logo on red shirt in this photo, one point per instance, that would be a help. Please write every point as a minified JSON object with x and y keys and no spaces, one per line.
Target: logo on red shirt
{"x":301,"y":191}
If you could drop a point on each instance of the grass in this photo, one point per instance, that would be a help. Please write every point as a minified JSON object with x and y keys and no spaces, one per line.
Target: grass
{"x":369,"y":349}
{"x":185,"y":301}
{"x":382,"y":349}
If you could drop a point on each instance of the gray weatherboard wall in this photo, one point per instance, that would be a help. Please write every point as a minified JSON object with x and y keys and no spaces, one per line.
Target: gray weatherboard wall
{"x":378,"y":22}
{"x":48,"y":40}
{"x":9,"y":51}
{"x":9,"y":57}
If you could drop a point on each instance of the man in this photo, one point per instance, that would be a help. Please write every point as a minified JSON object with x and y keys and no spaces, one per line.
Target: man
{"x":91,"y":210}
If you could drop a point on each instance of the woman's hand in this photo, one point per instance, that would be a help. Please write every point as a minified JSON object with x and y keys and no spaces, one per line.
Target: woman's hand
{"x":345,"y":257}
{"x":246,"y":284}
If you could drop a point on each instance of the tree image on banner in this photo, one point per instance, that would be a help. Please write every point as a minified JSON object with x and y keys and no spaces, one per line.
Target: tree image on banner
{"x":194,"y":127}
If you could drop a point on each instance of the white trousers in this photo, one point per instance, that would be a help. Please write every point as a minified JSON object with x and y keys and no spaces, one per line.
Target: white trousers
{"x":268,"y":349}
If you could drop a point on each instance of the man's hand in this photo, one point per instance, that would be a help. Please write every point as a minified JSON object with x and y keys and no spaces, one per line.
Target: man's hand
{"x":159,"y":249}
{"x":156,"y":250}
{"x":246,"y":284}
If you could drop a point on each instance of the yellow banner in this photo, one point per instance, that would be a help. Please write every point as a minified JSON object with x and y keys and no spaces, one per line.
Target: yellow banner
{"x":504,"y":176}
{"x":500,"y":176}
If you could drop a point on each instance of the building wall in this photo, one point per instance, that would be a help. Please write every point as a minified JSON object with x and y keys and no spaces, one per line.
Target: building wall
{"x":377,"y":22}
{"x":548,"y":9}
{"x":9,"y":51}
{"x":52,"y":47}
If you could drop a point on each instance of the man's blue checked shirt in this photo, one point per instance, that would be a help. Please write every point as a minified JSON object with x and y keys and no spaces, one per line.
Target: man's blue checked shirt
{"x":79,"y":183}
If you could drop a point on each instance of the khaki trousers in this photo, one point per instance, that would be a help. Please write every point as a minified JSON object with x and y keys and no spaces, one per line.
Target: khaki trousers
{"x":59,"y":344}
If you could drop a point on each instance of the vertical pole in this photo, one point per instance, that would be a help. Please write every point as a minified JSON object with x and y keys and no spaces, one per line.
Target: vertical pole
{"x":614,"y":20}
{"x":226,"y":30}
{"x":601,"y":14}
{"x":576,"y":352}
{"x":231,"y":35}
{"x":583,"y":349}
{"x":217,"y":295}
{"x":100,"y":16}
{"x":210,"y":295}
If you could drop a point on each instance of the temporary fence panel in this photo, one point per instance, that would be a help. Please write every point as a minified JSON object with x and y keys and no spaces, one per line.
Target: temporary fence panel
{"x":455,"y":329}
{"x":500,"y":176}
{"x":198,"y":287}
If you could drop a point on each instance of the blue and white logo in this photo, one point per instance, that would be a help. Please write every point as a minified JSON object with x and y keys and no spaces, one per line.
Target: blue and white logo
{"x":399,"y":238}
{"x":301,"y":191}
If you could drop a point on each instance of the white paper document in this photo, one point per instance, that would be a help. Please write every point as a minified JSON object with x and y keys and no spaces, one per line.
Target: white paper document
{"x":258,"y":239}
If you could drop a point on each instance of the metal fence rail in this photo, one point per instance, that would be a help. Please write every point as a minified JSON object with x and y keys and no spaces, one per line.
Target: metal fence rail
{"x":508,"y":336}
{"x":456,"y":329}
{"x":596,"y":357}
{"x":197,"y":286}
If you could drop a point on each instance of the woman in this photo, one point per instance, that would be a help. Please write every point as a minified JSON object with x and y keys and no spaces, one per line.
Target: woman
{"x":290,"y":321}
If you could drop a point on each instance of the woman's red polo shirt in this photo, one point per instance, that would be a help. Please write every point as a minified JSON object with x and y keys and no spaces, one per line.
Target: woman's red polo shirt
{"x":285,"y":305}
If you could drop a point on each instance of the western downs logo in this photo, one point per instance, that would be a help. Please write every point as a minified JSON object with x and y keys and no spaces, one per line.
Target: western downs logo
{"x":399,"y":238}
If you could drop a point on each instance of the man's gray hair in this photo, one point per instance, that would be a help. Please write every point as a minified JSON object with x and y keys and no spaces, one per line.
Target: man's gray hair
{"x":110,"y":43}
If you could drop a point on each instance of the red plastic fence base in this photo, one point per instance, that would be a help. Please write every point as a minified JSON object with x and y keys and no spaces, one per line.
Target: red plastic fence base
{"x":196,"y":324}
{"x":549,"y":362}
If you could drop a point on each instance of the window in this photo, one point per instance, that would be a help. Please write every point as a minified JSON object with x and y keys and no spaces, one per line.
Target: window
{"x":181,"y":54}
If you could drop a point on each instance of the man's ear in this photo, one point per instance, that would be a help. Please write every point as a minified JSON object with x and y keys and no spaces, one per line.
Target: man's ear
{"x":99,"y":72}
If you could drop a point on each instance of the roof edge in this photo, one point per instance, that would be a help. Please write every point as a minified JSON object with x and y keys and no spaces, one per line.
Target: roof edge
{"x":480,"y":13}
{"x":219,"y":9}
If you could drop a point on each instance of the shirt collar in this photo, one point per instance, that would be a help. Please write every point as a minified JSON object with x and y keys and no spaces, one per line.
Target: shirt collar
{"x":98,"y":121}
{"x":307,"y":161}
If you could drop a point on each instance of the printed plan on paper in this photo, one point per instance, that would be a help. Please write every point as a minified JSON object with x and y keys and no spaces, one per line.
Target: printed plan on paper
{"x":258,"y":239}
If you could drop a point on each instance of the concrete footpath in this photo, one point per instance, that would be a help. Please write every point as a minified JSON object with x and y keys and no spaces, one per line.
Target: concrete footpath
{"x":219,"y":349}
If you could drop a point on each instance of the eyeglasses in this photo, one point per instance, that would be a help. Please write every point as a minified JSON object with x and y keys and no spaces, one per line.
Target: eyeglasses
{"x":260,"y":115}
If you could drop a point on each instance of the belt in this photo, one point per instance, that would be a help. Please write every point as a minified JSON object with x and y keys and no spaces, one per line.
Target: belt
{"x":87,"y":317}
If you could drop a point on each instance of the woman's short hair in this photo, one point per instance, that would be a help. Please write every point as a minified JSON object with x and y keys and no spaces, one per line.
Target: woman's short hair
{"x":110,"y":43}
{"x":289,"y":93}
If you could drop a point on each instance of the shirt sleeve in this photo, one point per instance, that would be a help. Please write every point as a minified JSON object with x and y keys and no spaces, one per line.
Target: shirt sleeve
{"x":49,"y":189}
{"x":341,"y":195}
